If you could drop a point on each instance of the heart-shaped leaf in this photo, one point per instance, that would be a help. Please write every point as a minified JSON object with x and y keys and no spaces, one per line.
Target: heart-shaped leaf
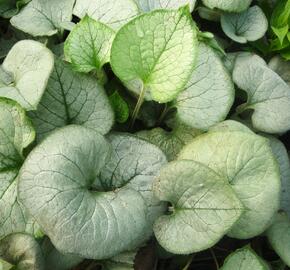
{"x":249,"y":25}
{"x":30,"y":64}
{"x":43,"y":18}
{"x":246,"y":259}
{"x":154,"y":54}
{"x":149,"y":5}
{"x":72,"y":98}
{"x":209,"y":94}
{"x":22,"y":251}
{"x":111,"y":12}
{"x":268,"y":95}
{"x":61,"y":185}
{"x":170,"y":142}
{"x":204,"y":207}
{"x":278,"y":236}
{"x":16,"y":133}
{"x":226,"y":5}
{"x":247,"y":162}
{"x":281,"y":67}
{"x":88,"y":46}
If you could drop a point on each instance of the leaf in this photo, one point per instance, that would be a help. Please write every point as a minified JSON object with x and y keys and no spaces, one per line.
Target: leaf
{"x":281,"y":155}
{"x":281,"y":32}
{"x":110,"y":12}
{"x":226,"y":5}
{"x":268,"y":95}
{"x":155,"y":53}
{"x":247,"y":162}
{"x":246,"y":259}
{"x":150,"y":5}
{"x":209,"y":14}
{"x":281,"y":67}
{"x":30,"y":63}
{"x":56,"y":260}
{"x":249,"y":25}
{"x":22,"y":251}
{"x":134,"y":163}
{"x":278,"y":236}
{"x":124,"y":261}
{"x":16,"y":133}
{"x":9,"y":8}
{"x":120,"y":107}
{"x":209,"y":94}
{"x":43,"y":18}
{"x":88,"y":46}
{"x":281,"y":14}
{"x":170,"y":142}
{"x":56,"y":184}
{"x":204,"y":207}
{"x":72,"y":98}
{"x":230,"y":125}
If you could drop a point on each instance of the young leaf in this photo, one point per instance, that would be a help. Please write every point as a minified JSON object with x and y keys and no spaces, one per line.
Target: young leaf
{"x":120,"y":107}
{"x":246,"y":259}
{"x":123,"y":261}
{"x":43,"y":18}
{"x":229,"y":6}
{"x":209,"y":94}
{"x":247,"y":162}
{"x":16,"y":133}
{"x":22,"y":251}
{"x":111,"y":12}
{"x":204,"y":207}
{"x":268,"y":95}
{"x":278,"y":236}
{"x":249,"y":25}
{"x":149,"y":5}
{"x":30,"y":63}
{"x":154,"y":54}
{"x":170,"y":142}
{"x":88,"y":46}
{"x":72,"y":98}
{"x":56,"y":184}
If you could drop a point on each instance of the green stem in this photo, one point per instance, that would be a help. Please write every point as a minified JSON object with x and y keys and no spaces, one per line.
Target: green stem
{"x":162,"y":115}
{"x":188,"y":262}
{"x":101,"y":76}
{"x":138,"y":106}
{"x":215,"y":259}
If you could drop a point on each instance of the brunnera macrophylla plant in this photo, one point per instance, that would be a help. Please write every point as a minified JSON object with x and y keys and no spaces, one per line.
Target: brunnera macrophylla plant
{"x":123,"y":126}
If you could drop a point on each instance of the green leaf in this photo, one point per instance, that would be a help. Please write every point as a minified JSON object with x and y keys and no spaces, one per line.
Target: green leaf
{"x":268,"y":95}
{"x":281,"y":14}
{"x":204,"y":207}
{"x":134,"y":163}
{"x":22,"y":251}
{"x":120,"y":107}
{"x":209,"y":14}
{"x":278,"y":236}
{"x":247,"y":162}
{"x":230,"y":125}
{"x":170,"y":142}
{"x":123,"y":261}
{"x":281,"y":67}
{"x":156,"y":62}
{"x":56,"y":260}
{"x":229,"y":6}
{"x":88,"y":46}
{"x":72,"y":98}
{"x":43,"y":18}
{"x":9,"y":8}
{"x":110,"y":12}
{"x":16,"y":133}
{"x":150,"y":5}
{"x":281,"y":32}
{"x":246,"y":259}
{"x":58,"y":184}
{"x":30,"y":63}
{"x":249,"y":25}
{"x":209,"y":94}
